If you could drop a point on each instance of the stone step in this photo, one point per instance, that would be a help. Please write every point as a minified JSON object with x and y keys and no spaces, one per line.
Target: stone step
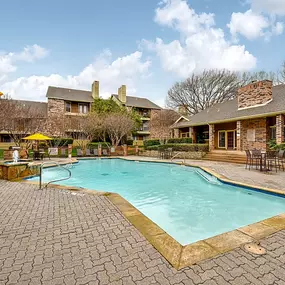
{"x":225,"y":156}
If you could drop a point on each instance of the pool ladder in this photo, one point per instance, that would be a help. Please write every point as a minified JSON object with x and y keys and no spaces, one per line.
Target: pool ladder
{"x":176,"y":156}
{"x":55,"y":180}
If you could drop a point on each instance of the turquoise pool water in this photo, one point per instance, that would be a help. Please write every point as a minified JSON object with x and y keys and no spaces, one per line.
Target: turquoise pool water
{"x":177,"y":198}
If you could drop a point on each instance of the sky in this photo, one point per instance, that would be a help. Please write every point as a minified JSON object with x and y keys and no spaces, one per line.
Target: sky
{"x":146,"y":44}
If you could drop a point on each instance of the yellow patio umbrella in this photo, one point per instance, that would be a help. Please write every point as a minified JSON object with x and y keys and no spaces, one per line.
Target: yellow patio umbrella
{"x":1,"y":93}
{"x":37,"y":137}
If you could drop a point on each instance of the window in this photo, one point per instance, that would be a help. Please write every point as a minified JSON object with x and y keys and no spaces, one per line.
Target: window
{"x":67,"y":107}
{"x":222,"y":139}
{"x":273,"y":133}
{"x":83,"y":108}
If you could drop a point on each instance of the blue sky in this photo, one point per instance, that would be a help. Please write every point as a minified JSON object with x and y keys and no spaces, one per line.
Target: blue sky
{"x":147,"y":45}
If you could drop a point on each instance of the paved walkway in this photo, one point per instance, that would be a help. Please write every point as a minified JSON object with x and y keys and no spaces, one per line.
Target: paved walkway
{"x":61,"y":237}
{"x":237,"y":172}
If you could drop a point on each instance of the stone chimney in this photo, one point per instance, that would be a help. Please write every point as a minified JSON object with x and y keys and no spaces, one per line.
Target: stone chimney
{"x":122,"y":94}
{"x":95,"y":90}
{"x":254,"y":94}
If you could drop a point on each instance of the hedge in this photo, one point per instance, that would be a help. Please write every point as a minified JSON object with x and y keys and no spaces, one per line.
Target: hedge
{"x":61,"y":141}
{"x":96,"y":144}
{"x":180,"y":140}
{"x":130,"y":142}
{"x":148,"y":143}
{"x":181,"y":147}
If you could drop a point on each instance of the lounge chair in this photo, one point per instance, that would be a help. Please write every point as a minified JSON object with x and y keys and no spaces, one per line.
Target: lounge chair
{"x":95,"y":151}
{"x":62,"y":152}
{"x":281,"y":159}
{"x":79,"y":152}
{"x":88,"y":152}
{"x":105,"y":152}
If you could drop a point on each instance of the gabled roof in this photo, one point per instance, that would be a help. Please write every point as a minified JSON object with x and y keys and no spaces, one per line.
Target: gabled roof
{"x":138,"y":102}
{"x":228,"y":111}
{"x":69,"y":94}
{"x":39,"y":107}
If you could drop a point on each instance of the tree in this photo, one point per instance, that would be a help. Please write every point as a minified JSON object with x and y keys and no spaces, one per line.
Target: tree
{"x":19,"y":119}
{"x":102,"y":106}
{"x":118,"y":125}
{"x":281,"y":74}
{"x":201,"y":91}
{"x":248,"y":77}
{"x":161,"y":121}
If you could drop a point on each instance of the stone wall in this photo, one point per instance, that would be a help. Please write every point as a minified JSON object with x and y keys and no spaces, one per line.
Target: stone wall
{"x":253,"y":134}
{"x":20,"y":170}
{"x":181,"y":155}
{"x":255,"y":93}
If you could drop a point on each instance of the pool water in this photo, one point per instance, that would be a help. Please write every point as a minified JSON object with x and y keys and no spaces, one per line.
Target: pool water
{"x":177,"y":198}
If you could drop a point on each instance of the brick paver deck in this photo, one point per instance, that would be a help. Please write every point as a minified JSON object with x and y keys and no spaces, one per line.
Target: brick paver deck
{"x":60,"y":237}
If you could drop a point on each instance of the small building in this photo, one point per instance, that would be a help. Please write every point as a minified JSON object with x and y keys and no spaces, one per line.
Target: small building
{"x":249,"y":121}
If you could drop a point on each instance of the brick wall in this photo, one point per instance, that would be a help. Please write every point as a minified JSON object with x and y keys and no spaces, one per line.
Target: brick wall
{"x":255,"y":129}
{"x":280,"y":128}
{"x":255,"y":93}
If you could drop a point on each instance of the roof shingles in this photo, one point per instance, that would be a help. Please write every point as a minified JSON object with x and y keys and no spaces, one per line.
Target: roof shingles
{"x":228,"y":111}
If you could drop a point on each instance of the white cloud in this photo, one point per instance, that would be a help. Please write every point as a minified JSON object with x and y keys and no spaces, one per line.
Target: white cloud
{"x":202,"y":45}
{"x":274,"y":7}
{"x":248,"y":24}
{"x":112,"y":74}
{"x":259,"y":21}
{"x":8,"y":61}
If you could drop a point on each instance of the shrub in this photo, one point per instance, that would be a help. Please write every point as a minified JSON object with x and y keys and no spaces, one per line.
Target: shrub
{"x":273,"y":145}
{"x":130,"y":142}
{"x":96,"y":144}
{"x":57,"y":142}
{"x":180,"y":140}
{"x":148,"y":143}
{"x":182,"y":147}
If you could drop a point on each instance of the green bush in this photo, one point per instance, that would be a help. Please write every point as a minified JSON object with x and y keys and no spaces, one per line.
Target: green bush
{"x":180,"y":140}
{"x":181,"y":147}
{"x":96,"y":144}
{"x":274,"y":146}
{"x":1,"y":153}
{"x":148,"y":143}
{"x":57,"y":142}
{"x":130,"y":142}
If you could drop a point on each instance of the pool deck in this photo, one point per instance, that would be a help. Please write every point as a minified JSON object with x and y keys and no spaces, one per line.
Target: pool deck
{"x":56,"y":236}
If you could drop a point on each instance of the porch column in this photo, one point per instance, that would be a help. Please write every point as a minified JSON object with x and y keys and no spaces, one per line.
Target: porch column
{"x":211,"y":137}
{"x":238,"y":142}
{"x":176,"y":133}
{"x":280,"y":129}
{"x":193,"y":134}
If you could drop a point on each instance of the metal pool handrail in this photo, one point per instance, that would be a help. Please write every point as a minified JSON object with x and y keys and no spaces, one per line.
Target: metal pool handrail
{"x":56,"y":180}
{"x":178,"y":154}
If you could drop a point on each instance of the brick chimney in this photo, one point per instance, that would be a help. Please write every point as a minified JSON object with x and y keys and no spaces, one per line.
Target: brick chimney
{"x":122,"y":94}
{"x":95,"y":90}
{"x":254,"y":94}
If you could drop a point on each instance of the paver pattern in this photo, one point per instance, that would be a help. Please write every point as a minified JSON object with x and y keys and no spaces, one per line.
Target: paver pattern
{"x":60,"y":237}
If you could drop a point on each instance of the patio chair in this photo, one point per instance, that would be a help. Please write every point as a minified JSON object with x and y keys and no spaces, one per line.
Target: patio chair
{"x":272,"y":159}
{"x":281,"y":159}
{"x":257,"y":157}
{"x":94,"y":151}
{"x":249,"y":160}
{"x":88,"y":152}
{"x":105,"y":152}
{"x":79,"y":152}
{"x":62,"y":152}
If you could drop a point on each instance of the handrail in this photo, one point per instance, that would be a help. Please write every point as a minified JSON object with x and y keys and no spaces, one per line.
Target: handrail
{"x":178,"y":154}
{"x":56,"y":180}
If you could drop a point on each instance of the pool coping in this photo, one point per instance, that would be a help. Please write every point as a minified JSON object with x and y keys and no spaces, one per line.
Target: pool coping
{"x":180,"y":256}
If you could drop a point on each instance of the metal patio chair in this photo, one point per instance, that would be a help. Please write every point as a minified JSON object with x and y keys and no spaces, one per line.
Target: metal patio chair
{"x":256,"y":157}
{"x":249,"y":160}
{"x":272,"y":159}
{"x":281,"y":159}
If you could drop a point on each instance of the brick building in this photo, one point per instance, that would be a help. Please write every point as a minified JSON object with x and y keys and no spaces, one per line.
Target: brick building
{"x":249,"y":121}
{"x":66,"y":109}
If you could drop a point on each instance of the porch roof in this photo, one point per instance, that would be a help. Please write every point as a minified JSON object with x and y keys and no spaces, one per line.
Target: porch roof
{"x":228,"y":111}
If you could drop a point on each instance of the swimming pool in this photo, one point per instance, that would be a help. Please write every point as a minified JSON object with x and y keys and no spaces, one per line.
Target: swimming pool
{"x":179,"y":199}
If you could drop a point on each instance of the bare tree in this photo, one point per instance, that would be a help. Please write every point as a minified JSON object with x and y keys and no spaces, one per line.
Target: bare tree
{"x":201,"y":91}
{"x":118,"y":125}
{"x":281,"y":74}
{"x":19,"y":119}
{"x":161,"y":121}
{"x":248,"y":77}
